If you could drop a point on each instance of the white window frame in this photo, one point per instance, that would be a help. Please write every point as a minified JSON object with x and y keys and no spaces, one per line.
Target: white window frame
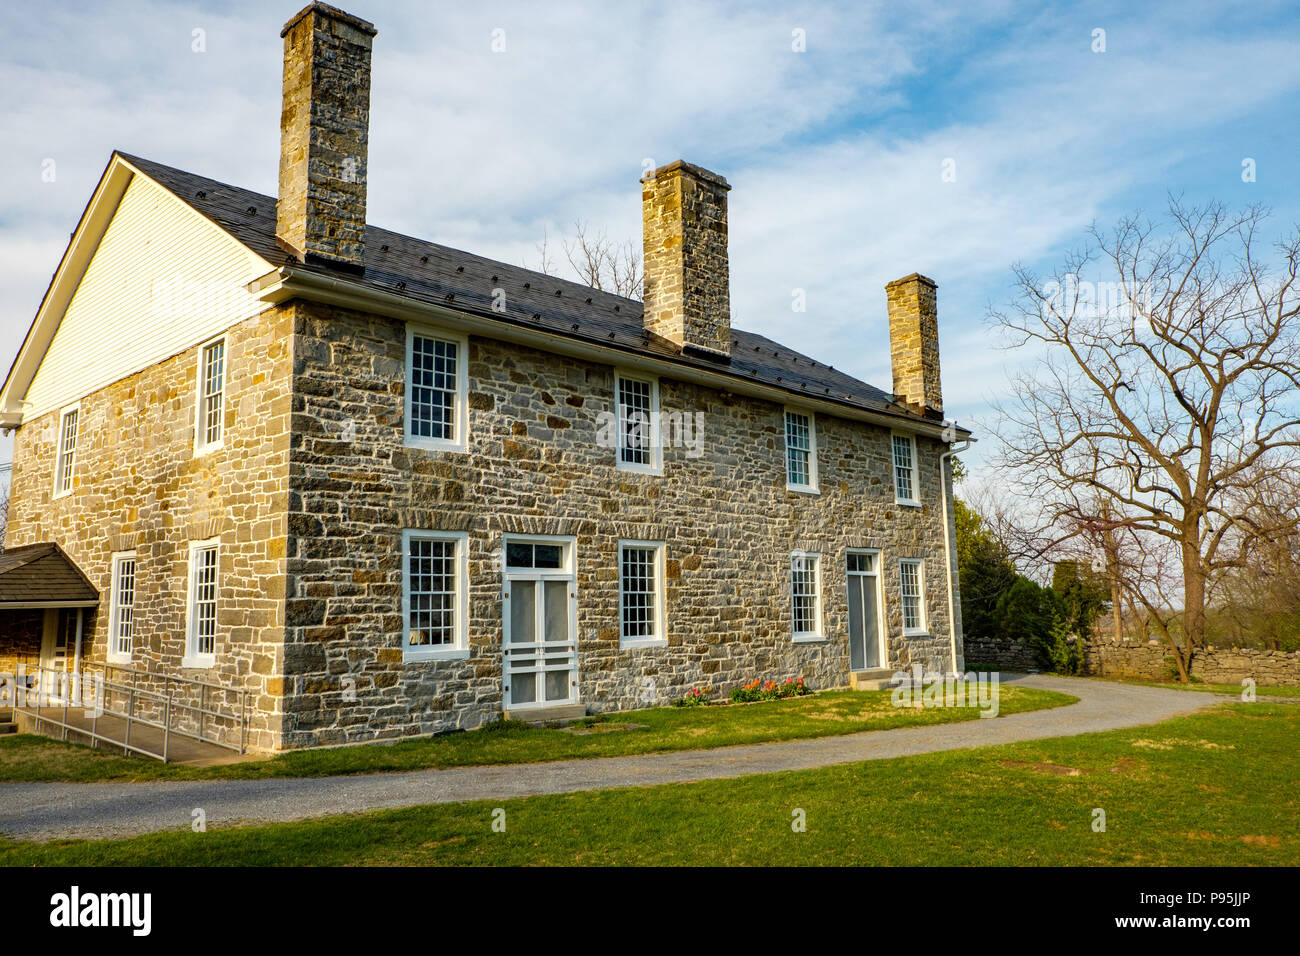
{"x":459,"y":648}
{"x":115,"y":656}
{"x":811,"y":488}
{"x":460,"y":414}
{"x":924,"y":625}
{"x":660,"y":637}
{"x":193,"y":658}
{"x":914,"y":477}
{"x":60,"y":453}
{"x":819,"y":634}
{"x":201,"y":445}
{"x":656,"y":464}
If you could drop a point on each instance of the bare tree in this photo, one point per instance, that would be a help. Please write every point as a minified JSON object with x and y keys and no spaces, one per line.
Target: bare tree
{"x":4,"y":513}
{"x":604,"y":264}
{"x":598,"y":261}
{"x":1160,"y":399}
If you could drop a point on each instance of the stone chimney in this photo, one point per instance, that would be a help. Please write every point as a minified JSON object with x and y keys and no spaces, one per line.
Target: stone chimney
{"x":914,"y":342}
{"x":324,"y":136}
{"x":687,"y":279}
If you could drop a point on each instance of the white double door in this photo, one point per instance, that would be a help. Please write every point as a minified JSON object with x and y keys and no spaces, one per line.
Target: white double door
{"x":540,"y":639}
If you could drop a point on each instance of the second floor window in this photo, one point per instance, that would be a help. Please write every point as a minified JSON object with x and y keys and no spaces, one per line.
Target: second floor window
{"x":904,"y":470}
{"x":66,"y":460}
{"x":210,"y":427}
{"x":800,"y":452}
{"x":435,"y":391}
{"x":638,"y":439}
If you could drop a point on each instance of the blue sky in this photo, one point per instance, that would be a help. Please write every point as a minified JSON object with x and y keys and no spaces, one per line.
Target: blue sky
{"x":835,"y":154}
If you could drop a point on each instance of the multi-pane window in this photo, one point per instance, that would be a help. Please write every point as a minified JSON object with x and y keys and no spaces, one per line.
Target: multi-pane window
{"x":641,"y":591}
{"x":433,"y":593}
{"x":910,"y":589}
{"x":202,"y":641}
{"x":212,"y":385}
{"x":121,"y":632}
{"x":638,"y":445}
{"x":800,"y":451}
{"x":904,"y":469}
{"x":67,"y":457}
{"x":540,"y":557}
{"x":435,"y":381}
{"x":805,"y":597}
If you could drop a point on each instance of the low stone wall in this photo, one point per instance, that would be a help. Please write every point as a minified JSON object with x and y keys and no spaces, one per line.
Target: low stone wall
{"x":1003,"y":654}
{"x":1219,"y":665}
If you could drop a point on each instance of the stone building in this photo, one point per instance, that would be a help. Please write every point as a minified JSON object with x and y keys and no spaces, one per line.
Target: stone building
{"x":390,"y":488}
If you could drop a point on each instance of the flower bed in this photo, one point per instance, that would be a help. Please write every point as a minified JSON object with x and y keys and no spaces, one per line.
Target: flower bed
{"x":750,"y":693}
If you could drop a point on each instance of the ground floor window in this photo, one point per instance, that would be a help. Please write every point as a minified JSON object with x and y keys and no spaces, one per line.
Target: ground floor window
{"x":434,"y":586}
{"x":641,"y":592}
{"x":911,"y":574}
{"x":201,"y":639}
{"x":805,"y":595}
{"x":121,"y":617}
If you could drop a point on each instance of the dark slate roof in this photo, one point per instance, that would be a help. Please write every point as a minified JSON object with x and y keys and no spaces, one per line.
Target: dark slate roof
{"x":41,"y":574}
{"x":432,"y":273}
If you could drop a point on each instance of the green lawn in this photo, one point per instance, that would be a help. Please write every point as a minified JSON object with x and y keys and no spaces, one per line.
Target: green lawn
{"x":1232,"y":689}
{"x":31,"y":758}
{"x":1213,"y":788}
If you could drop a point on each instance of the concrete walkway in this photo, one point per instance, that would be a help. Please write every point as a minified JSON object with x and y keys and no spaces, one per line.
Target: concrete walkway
{"x":43,"y":811}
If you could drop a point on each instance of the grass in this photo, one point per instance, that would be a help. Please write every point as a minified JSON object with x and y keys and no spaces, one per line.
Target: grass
{"x":31,"y":758}
{"x":1213,"y":788}
{"x":1231,"y":689}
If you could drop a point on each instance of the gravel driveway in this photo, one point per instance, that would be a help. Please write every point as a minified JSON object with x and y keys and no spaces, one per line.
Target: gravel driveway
{"x":43,"y":811}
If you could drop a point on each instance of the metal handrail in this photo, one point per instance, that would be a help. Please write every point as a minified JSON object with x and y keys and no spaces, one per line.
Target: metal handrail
{"x":171,"y":705}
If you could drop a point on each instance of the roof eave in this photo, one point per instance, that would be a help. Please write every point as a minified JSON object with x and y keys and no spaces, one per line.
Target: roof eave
{"x":287,"y":283}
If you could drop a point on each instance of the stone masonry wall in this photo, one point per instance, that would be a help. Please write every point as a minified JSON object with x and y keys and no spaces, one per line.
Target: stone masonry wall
{"x":138,"y":485}
{"x":1001,"y":653}
{"x":20,"y":637}
{"x":534,"y":466}
{"x":1216,"y":665}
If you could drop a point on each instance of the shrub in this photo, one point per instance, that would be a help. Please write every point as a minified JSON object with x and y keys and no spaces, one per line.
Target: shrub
{"x":693,"y":698}
{"x":769,"y":690}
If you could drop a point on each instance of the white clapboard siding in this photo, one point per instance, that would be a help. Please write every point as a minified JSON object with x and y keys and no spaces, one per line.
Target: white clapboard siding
{"x":162,"y":280}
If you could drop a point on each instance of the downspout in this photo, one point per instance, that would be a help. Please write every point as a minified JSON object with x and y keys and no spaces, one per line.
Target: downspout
{"x":945,"y":491}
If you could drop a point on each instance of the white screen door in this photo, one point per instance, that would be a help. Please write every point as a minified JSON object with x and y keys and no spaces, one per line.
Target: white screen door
{"x":864,"y":611}
{"x":540,"y":603}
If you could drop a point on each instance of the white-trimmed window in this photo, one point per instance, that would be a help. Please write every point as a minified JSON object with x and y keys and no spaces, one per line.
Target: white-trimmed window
{"x":904,"y":453}
{"x":210,"y":420}
{"x":911,"y":582}
{"x":435,"y":586}
{"x":637,"y":401}
{"x":437,"y":390}
{"x":65,"y":462}
{"x":205,"y":584}
{"x":806,"y":595}
{"x":800,"y":451}
{"x":641,"y":593}
{"x":121,"y":608}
